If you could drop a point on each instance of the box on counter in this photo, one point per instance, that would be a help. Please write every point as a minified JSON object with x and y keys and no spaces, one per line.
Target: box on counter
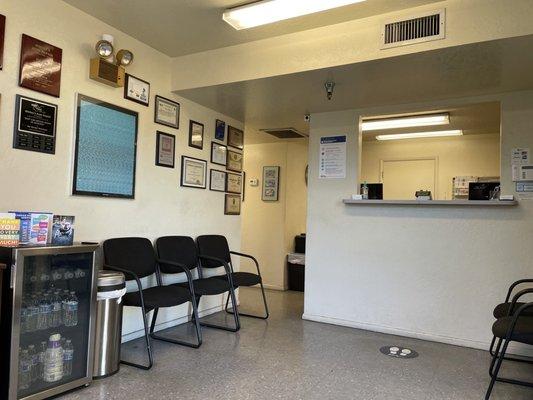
{"x":63,"y":230}
{"x":35,"y":227}
{"x":9,"y":229}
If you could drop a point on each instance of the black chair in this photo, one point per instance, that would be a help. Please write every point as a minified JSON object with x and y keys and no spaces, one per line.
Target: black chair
{"x":217,"y":246}
{"x":135,"y":257}
{"x":515,"y":328}
{"x":179,"y":254}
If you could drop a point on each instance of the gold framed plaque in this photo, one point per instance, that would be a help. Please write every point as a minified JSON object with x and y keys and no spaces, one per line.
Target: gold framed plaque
{"x":232,"y":204}
{"x":234,"y":161}
{"x":235,"y":137}
{"x":234,"y":183}
{"x":40,"y":66}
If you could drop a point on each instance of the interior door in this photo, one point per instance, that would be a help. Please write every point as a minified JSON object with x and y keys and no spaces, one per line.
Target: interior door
{"x":402,"y":178}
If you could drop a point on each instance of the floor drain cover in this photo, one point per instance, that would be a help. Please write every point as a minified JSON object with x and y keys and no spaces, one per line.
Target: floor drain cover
{"x":398,"y":352}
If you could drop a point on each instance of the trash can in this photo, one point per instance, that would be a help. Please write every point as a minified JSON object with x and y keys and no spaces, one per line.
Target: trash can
{"x":111,"y":288}
{"x":296,"y":267}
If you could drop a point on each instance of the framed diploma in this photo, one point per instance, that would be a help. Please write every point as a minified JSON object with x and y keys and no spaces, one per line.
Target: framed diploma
{"x":165,"y":150}
{"x":217,"y":181}
{"x":193,"y":172}
{"x":235,"y":137}
{"x":40,"y":66}
{"x":234,"y":161}
{"x":35,"y":125}
{"x":233,"y":183}
{"x":219,"y":153}
{"x":220,"y":130}
{"x":137,"y":90}
{"x":167,"y":112}
{"x":196,"y":134}
{"x":232,"y":204}
{"x":270,"y":184}
{"x":2,"y":36}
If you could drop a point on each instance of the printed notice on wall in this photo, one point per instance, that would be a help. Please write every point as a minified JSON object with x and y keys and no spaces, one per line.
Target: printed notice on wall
{"x":519,"y":157}
{"x":332,"y":157}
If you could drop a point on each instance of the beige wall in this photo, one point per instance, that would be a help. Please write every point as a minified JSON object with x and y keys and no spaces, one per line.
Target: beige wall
{"x":268,"y":228}
{"x":474,"y":155}
{"x":33,"y":181}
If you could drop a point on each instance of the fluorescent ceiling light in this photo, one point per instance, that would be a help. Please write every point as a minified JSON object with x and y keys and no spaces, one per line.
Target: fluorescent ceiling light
{"x":417,"y":135}
{"x":268,"y":11}
{"x":406,"y":122}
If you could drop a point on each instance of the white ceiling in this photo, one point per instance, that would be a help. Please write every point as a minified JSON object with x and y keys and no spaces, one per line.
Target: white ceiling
{"x":282,"y":101}
{"x":179,"y":27}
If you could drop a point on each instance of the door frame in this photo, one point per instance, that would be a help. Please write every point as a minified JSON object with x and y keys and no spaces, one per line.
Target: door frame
{"x":428,"y":158}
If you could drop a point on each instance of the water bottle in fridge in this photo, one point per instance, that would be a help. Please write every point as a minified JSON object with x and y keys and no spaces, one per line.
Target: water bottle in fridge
{"x":42,"y":352}
{"x":24,"y":370}
{"x":34,"y":360}
{"x":68,"y":356}
{"x":45,"y":308}
{"x":53,"y":359}
{"x":55,"y":316}
{"x":24,"y":315}
{"x":71,"y":310}
{"x":32,"y":314}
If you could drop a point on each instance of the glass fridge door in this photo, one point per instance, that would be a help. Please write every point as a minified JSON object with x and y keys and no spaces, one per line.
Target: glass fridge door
{"x":53,"y":316}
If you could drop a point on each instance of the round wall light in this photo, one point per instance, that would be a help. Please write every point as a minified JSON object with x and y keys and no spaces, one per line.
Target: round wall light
{"x":124,"y":57}
{"x":104,"y":49}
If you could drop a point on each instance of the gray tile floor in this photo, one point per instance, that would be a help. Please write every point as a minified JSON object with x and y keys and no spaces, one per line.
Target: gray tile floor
{"x":288,"y":358}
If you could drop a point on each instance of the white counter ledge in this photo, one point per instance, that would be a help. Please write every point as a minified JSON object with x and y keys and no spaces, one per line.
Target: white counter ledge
{"x":461,"y":203}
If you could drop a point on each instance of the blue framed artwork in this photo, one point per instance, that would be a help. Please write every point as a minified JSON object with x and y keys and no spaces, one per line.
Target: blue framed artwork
{"x":106,"y":149}
{"x":220,"y":130}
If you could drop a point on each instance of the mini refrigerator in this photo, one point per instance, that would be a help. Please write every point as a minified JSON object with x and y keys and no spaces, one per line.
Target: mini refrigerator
{"x":47,"y":320}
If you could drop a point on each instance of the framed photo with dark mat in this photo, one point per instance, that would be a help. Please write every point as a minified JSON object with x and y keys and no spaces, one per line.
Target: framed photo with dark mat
{"x":165,"y":150}
{"x":217,"y":181}
{"x":196,"y":134}
{"x":137,"y":90}
{"x":167,"y":112}
{"x":235,"y":137}
{"x":235,"y":161}
{"x":220,"y":130}
{"x":193,"y":172}
{"x":219,"y":154}
{"x":270,"y":190}
{"x":232,"y":204}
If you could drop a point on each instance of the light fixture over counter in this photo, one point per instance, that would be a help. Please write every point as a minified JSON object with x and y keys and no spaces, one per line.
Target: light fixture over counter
{"x":405,"y":122}
{"x":418,"y":135}
{"x":268,"y":11}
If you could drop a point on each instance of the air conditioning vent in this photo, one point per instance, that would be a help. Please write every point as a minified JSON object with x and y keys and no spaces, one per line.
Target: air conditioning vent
{"x":285,"y":133}
{"x":420,"y":28}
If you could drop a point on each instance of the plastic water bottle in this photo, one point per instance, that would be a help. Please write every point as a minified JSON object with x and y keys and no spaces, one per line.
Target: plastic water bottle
{"x":55,"y":316}
{"x":24,"y":370}
{"x":53,"y":360}
{"x":42,"y":353}
{"x":68,"y":356}
{"x":71,"y":310}
{"x":34,"y":359}
{"x":45,"y":308}
{"x":24,"y":316}
{"x":32,"y":315}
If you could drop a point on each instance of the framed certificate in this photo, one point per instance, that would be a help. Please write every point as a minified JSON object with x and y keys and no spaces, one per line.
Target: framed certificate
{"x":40,"y":66}
{"x":167,"y":112}
{"x":234,"y":161}
{"x":217,"y":181}
{"x":137,"y":90}
{"x":232,"y":204}
{"x":165,"y":150}
{"x":219,"y":153}
{"x":270,"y":184}
{"x":196,"y":134}
{"x":220,"y":130}
{"x":35,"y":125}
{"x":233,"y":183}
{"x":235,"y":137}
{"x":193,"y":172}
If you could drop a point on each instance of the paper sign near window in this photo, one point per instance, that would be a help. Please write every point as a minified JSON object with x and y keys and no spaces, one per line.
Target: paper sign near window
{"x":519,"y":157}
{"x":332,"y":157}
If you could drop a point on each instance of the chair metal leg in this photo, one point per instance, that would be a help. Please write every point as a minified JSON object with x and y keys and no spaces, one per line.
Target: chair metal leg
{"x":494,"y":373}
{"x":495,"y":353}
{"x":250,"y":315}
{"x":148,"y":347}
{"x":235,"y":317}
{"x":194,"y":319}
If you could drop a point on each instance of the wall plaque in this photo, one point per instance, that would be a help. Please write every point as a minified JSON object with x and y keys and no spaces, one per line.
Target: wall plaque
{"x":40,"y":66}
{"x":35,"y":125}
{"x":2,"y":35}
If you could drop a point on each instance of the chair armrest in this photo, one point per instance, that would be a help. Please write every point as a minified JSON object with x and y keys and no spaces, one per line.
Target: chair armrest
{"x":250,"y":257}
{"x":222,"y":262}
{"x":515,"y":284}
{"x":184,"y":268}
{"x":130,"y":273}
{"x":516,"y":298}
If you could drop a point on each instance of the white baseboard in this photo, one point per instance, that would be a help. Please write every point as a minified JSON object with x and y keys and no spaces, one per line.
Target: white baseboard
{"x":514,"y":348}
{"x":273,"y":287}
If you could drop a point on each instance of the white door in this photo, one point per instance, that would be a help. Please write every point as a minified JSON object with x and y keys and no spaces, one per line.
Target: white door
{"x":402,"y":178}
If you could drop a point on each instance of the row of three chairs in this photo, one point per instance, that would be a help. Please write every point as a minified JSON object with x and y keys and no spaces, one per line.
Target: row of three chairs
{"x":137,"y":259}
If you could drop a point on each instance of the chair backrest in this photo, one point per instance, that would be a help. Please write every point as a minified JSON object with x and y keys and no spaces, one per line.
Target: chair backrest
{"x":180,"y":249}
{"x":132,"y":253}
{"x":214,"y":246}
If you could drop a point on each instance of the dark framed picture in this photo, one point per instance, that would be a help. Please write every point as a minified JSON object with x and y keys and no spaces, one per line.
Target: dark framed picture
{"x":217,"y":181}
{"x":40,"y":66}
{"x":219,"y":154}
{"x":106,"y":149}
{"x":35,"y":125}
{"x":235,"y":137}
{"x":233,"y":183}
{"x":232,"y":204}
{"x":234,"y":161}
{"x":193,"y":172}
{"x":165,"y":149}
{"x":220,"y":130}
{"x":167,"y":112}
{"x":196,"y":134}
{"x":243,"y":184}
{"x":137,"y":90}
{"x":2,"y":36}
{"x":270,"y":184}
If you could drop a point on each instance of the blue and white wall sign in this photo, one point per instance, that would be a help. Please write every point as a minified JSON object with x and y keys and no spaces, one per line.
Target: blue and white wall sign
{"x":332,"y":160}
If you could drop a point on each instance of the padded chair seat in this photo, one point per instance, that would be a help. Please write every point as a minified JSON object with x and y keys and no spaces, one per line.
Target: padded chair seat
{"x":207,"y":286}
{"x":242,"y":278}
{"x":502,"y":310}
{"x":158,"y":296}
{"x":523,"y":331}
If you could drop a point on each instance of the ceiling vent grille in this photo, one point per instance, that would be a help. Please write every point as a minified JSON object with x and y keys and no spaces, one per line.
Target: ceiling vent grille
{"x":285,"y":133}
{"x":421,"y":28}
